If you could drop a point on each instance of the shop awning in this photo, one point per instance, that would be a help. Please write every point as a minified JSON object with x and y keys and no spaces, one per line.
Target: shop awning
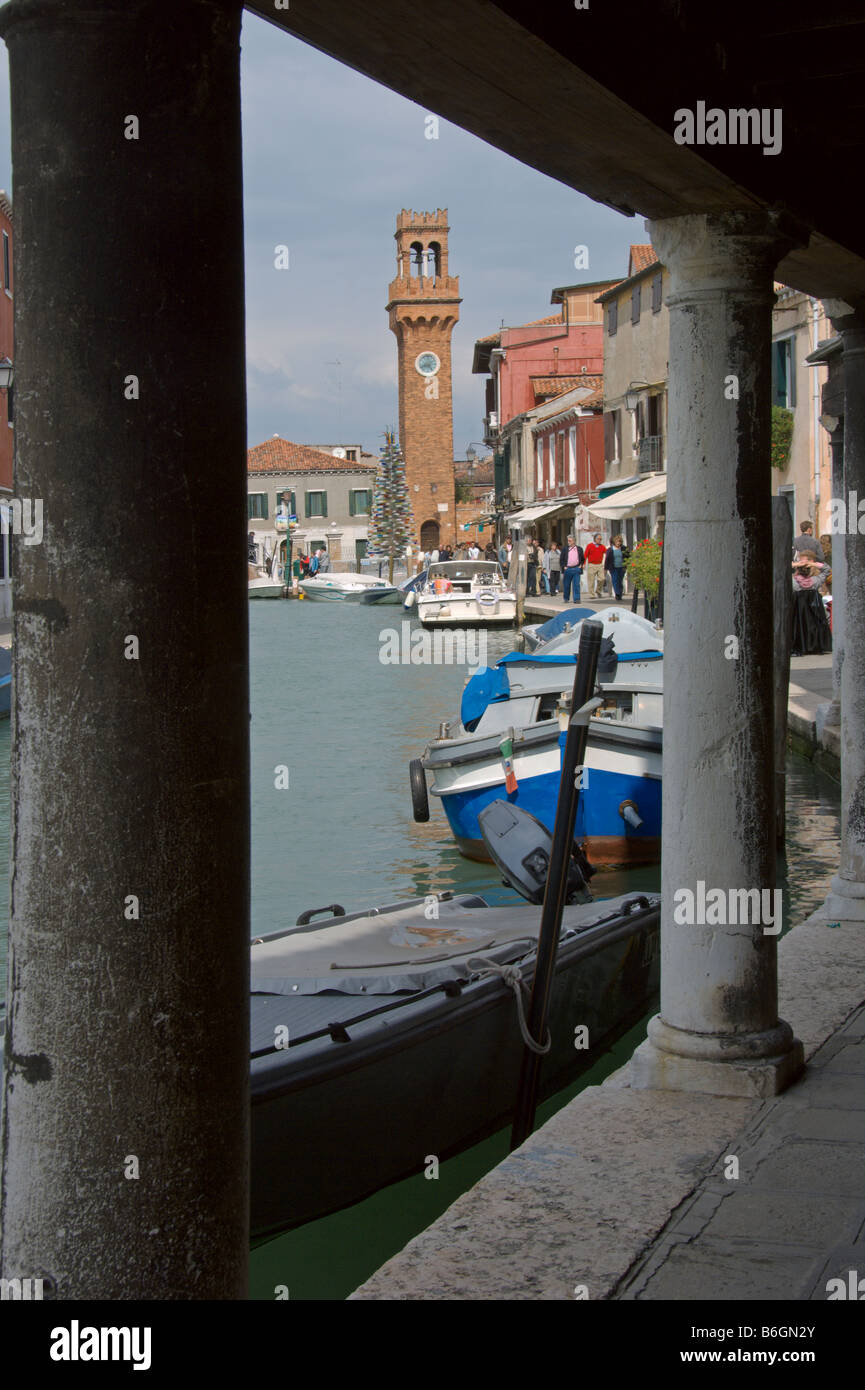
{"x":626,"y":502}
{"x":534,"y":513}
{"x":607,"y":489}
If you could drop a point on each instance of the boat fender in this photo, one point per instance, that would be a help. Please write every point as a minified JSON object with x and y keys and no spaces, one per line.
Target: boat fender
{"x":419,"y":797}
{"x":410,"y":599}
{"x":630,"y":813}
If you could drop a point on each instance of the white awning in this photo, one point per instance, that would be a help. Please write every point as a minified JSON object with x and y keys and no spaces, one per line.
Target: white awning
{"x":626,"y":502}
{"x":533,"y":513}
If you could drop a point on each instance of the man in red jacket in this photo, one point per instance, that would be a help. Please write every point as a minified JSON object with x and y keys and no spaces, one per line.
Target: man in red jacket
{"x":595,"y":577}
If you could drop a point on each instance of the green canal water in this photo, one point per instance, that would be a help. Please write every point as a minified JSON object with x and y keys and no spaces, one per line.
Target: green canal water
{"x":345,"y":725}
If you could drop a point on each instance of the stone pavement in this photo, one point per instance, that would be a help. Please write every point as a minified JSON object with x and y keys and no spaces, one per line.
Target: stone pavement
{"x":623,"y":1194}
{"x":794,"y":1217}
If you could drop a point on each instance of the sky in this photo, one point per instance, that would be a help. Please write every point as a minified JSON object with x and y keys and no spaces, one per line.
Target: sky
{"x":330,"y":158}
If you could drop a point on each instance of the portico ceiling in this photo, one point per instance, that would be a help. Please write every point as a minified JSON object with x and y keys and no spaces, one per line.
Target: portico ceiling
{"x":588,"y":97}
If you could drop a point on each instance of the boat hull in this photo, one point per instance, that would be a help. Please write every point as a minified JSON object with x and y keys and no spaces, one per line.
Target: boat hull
{"x":433,"y":1077}
{"x":621,"y":767}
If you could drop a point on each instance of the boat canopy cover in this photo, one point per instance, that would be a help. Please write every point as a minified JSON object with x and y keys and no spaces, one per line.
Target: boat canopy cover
{"x":491,"y":683}
{"x":486,"y":685}
{"x":553,"y":626}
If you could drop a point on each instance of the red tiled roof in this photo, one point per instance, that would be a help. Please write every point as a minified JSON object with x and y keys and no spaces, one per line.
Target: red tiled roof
{"x":279,"y":455}
{"x":557,"y":385}
{"x":533,"y":323}
{"x":642,"y":256}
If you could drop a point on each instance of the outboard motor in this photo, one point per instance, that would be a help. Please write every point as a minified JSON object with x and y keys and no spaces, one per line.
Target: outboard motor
{"x":520,"y":847}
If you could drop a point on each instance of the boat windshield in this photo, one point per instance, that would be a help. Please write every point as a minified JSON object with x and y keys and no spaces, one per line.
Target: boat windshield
{"x":477,"y":571}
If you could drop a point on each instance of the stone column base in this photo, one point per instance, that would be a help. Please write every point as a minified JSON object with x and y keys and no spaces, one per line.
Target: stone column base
{"x":846,"y":901}
{"x":750,"y":1066}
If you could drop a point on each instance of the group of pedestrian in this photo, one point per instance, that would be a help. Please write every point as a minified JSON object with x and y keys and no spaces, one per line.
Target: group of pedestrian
{"x":547,"y":566}
{"x":318,"y":562}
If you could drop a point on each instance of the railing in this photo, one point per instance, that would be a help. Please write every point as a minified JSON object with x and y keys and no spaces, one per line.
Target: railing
{"x":651,"y":458}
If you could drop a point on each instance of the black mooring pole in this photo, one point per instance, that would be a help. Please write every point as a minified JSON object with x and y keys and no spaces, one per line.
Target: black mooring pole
{"x":573,"y":756}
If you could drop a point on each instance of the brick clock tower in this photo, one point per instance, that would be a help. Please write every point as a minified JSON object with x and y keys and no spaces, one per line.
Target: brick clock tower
{"x":423,"y":306}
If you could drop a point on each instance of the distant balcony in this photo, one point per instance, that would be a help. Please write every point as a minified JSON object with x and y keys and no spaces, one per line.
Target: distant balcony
{"x":651,"y":454}
{"x":491,"y":427}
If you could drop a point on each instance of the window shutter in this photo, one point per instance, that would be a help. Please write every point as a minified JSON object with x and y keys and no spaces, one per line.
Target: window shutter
{"x":306,"y":504}
{"x":657,"y":290}
{"x":324,"y":504}
{"x":352,"y":502}
{"x":612,"y":318}
{"x":609,"y":437}
{"x":635,"y":304}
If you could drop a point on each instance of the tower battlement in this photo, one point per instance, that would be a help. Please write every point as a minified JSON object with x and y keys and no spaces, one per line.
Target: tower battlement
{"x":417,"y":221}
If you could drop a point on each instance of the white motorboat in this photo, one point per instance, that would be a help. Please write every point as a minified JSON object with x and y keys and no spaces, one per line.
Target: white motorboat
{"x":344,"y":588}
{"x":465,"y":592}
{"x":265,"y":581}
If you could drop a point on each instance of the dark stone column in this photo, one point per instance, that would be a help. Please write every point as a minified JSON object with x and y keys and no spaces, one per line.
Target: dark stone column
{"x":126,"y":1085}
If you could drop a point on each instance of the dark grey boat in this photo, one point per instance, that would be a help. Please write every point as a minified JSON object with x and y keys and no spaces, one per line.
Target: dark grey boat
{"x":380,"y":1039}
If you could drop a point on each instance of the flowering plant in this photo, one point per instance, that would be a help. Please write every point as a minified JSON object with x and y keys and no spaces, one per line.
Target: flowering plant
{"x":644,"y":566}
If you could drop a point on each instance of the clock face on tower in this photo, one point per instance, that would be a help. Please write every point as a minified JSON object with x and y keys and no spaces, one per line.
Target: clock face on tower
{"x":427,"y":363}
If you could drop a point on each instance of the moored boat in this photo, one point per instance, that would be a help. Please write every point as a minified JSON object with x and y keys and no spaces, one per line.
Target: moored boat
{"x":508,"y":742}
{"x":341,"y":588}
{"x":384,"y":1037}
{"x":462,"y":592}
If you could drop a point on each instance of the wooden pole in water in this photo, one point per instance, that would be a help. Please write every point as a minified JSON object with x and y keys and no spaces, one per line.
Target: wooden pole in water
{"x":518,"y":567}
{"x":782,"y":551}
{"x":554,"y":894}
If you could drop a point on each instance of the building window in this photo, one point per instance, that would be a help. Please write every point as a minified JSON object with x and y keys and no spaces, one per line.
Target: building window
{"x":10,"y":403}
{"x":316,"y":504}
{"x":256,"y":506}
{"x":635,"y":304}
{"x":351,"y":455}
{"x":551,"y":455}
{"x":7,"y":269}
{"x":657,"y":293}
{"x":612,"y":318}
{"x":540,"y":463}
{"x":279,"y":501}
{"x":572,"y":455}
{"x":359,"y":500}
{"x":612,"y":436}
{"x":783,"y":374}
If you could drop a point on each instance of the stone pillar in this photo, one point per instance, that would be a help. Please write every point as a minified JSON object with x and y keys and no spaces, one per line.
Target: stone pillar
{"x":125,"y":1134}
{"x":846,"y":900}
{"x":718,"y":1030}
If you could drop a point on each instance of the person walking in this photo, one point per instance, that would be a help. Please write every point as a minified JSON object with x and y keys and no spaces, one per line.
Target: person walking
{"x":323,"y":561}
{"x":614,"y":564}
{"x":595,"y":552}
{"x":545,"y":565}
{"x":554,"y":560}
{"x":805,"y":544}
{"x":531,"y":570}
{"x":504,"y":558}
{"x":573,"y":560}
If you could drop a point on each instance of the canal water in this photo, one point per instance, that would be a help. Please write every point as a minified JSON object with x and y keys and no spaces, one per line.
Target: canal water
{"x":338,"y":722}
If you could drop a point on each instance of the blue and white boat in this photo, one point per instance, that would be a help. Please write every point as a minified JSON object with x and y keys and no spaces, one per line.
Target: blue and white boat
{"x":509,"y":738}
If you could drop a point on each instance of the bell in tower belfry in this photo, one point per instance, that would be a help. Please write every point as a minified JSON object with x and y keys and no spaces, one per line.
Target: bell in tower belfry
{"x":423,"y":306}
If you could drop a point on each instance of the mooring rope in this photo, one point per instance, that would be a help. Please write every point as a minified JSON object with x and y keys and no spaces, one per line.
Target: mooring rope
{"x":511,"y":975}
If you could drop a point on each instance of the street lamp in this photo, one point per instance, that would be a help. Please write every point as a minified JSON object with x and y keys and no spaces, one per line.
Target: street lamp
{"x":632,"y":395}
{"x":6,"y":371}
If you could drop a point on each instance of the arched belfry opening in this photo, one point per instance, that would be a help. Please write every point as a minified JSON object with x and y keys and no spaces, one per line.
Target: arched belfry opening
{"x":416,"y":260}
